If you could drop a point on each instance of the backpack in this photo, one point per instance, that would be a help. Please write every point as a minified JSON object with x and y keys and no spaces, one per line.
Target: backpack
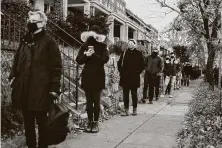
{"x":57,"y":128}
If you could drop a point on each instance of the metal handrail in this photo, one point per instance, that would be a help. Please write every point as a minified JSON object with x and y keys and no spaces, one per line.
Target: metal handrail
{"x":14,"y":20}
{"x":50,"y":22}
{"x":65,"y":32}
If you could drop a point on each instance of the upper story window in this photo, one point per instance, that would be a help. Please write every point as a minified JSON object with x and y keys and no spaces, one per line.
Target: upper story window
{"x":46,"y":7}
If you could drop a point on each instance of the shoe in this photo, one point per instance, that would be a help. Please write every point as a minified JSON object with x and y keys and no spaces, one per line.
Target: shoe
{"x":150,"y":102}
{"x":125,"y":112}
{"x":143,"y":100}
{"x":161,"y":96}
{"x":89,"y":127}
{"x":134,"y":112}
{"x":95,"y":127}
{"x":171,"y":96}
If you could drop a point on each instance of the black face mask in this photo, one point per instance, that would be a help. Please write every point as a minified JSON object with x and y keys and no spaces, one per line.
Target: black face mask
{"x":167,"y":58}
{"x":154,"y":54}
{"x":91,"y":40}
{"x":172,"y":57}
{"x":32,"y":27}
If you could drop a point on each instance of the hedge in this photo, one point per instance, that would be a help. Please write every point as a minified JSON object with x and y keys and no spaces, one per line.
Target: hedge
{"x":202,"y":127}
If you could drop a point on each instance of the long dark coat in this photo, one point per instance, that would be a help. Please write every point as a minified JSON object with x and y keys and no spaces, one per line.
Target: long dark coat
{"x":130,"y":65}
{"x":93,"y":74}
{"x":37,"y":70}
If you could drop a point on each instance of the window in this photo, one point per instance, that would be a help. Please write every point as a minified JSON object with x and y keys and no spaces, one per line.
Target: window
{"x":46,"y":7}
{"x":51,"y":8}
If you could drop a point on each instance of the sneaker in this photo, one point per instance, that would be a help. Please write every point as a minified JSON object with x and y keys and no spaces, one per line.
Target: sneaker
{"x":161,"y":96}
{"x":171,"y":96}
{"x":89,"y":127}
{"x":95,"y":127}
{"x":125,"y":112}
{"x":134,"y":112}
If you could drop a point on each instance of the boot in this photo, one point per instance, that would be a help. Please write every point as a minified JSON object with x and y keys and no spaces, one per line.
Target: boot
{"x":95,"y":127}
{"x":134,"y":112}
{"x":89,"y":126}
{"x":125,"y":112}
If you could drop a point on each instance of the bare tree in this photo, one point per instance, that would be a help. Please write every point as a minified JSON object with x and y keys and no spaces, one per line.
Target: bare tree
{"x":201,"y":19}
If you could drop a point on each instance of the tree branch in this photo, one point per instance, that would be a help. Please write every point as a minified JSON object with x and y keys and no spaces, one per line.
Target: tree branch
{"x":205,"y":19}
{"x":163,"y":4}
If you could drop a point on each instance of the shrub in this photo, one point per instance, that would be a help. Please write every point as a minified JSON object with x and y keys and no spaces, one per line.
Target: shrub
{"x":203,"y":123}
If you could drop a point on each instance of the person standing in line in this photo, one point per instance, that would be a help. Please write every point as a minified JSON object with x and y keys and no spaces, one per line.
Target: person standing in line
{"x":154,"y":68}
{"x":165,"y":69}
{"x":94,"y":55}
{"x":179,"y":75}
{"x":172,"y":69}
{"x":216,"y":75}
{"x":187,"y":73}
{"x":35,"y":75}
{"x":130,"y":66}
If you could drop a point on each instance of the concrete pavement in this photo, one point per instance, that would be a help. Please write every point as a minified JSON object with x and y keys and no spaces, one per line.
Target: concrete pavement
{"x":155,"y":126}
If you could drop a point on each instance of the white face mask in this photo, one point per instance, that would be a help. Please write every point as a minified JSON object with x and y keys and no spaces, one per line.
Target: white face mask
{"x":131,"y":45}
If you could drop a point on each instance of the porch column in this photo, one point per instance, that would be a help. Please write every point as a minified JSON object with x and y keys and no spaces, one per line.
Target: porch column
{"x":39,"y":4}
{"x":92,"y":10}
{"x":65,"y":8}
{"x":126,"y":32}
{"x":111,"y":28}
{"x":135,"y":36}
{"x":122,"y":32}
{"x":87,"y":9}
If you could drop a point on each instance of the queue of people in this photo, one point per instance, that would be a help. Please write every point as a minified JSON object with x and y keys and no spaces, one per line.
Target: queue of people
{"x":37,"y":70}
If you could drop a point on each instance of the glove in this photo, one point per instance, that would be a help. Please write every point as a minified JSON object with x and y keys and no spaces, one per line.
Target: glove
{"x":54,"y":96}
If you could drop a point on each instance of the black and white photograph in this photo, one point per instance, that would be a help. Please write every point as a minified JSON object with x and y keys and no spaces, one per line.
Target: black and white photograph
{"x":111,"y":73}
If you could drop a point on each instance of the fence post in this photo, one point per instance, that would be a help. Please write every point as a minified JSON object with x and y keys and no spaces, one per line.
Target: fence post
{"x":77,"y":85}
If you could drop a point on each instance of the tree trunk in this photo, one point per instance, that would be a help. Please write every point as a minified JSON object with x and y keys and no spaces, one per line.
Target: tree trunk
{"x":210,"y":63}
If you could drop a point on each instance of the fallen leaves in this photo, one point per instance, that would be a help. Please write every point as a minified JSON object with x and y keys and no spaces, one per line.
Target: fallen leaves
{"x":203,"y":124}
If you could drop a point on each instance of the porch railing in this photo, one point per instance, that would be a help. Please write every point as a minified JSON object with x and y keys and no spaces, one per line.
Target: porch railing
{"x":13,"y":30}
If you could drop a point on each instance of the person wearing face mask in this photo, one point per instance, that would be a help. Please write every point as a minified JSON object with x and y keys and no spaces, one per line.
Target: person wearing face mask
{"x":165,"y":70}
{"x":130,"y":66}
{"x":154,"y":68}
{"x":94,"y":55}
{"x":170,"y":72}
{"x":187,"y":73}
{"x":35,"y":75}
{"x":178,"y":75}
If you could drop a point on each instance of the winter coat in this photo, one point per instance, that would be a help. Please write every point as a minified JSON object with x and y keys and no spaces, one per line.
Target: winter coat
{"x":154,"y":65}
{"x":171,"y":68}
{"x":130,"y":66}
{"x":187,"y":69}
{"x":37,"y":70}
{"x":93,"y":74}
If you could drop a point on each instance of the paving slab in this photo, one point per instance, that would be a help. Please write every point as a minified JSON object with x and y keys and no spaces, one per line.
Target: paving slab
{"x":111,"y":132}
{"x":149,"y":139}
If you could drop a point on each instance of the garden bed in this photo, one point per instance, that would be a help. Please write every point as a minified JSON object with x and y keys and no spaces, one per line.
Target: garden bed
{"x":202,"y":127}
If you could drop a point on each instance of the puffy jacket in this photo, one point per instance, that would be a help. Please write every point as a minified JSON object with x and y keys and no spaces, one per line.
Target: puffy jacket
{"x":171,"y":67}
{"x":154,"y":65}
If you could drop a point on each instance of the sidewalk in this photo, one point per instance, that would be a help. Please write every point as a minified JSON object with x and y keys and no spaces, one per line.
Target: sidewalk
{"x":155,"y":126}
